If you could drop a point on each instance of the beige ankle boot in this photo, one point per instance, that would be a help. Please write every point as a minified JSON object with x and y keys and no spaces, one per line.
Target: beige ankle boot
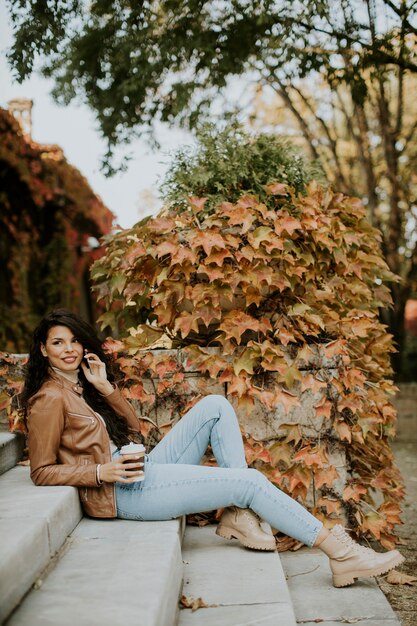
{"x":244,"y":524}
{"x":349,"y":560}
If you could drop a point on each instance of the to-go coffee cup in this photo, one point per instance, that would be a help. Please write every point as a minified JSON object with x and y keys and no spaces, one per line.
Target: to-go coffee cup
{"x":130,"y":451}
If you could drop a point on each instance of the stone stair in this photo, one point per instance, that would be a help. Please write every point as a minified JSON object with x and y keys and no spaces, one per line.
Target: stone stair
{"x":11,"y":450}
{"x":58,"y":568}
{"x":241,"y":587}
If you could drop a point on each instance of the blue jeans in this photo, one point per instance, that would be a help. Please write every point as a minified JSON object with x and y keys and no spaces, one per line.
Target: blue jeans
{"x":175,"y":484}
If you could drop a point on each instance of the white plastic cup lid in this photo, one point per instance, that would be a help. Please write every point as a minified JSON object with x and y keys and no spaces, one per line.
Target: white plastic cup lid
{"x":132,"y":448}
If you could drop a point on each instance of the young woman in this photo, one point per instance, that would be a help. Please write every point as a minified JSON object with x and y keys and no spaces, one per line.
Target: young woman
{"x":78,"y":420}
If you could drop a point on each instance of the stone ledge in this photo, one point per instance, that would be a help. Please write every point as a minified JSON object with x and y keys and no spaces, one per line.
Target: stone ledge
{"x":11,"y":450}
{"x":112,"y":572}
{"x":315,"y":599}
{"x":34,"y":523}
{"x":240,"y":586}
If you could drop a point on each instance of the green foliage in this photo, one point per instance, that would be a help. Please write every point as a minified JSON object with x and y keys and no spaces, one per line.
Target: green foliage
{"x":225,"y":164}
{"x":134,"y":63}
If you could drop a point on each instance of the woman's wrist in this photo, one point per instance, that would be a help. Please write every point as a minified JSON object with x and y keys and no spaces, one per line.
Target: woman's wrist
{"x":105,"y":389}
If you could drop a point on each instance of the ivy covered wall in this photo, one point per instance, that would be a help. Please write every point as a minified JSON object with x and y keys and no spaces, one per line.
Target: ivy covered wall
{"x":48,"y":213}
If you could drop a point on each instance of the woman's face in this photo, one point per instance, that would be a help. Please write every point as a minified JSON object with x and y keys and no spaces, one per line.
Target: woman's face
{"x":62,"y":349}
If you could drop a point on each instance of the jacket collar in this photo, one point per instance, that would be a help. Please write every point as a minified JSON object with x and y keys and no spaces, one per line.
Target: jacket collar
{"x":64,"y":382}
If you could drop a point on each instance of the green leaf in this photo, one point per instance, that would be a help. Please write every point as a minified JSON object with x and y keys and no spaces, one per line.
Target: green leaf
{"x":117,"y":283}
{"x":298,"y":309}
{"x":108,"y":319}
{"x":245,"y":362}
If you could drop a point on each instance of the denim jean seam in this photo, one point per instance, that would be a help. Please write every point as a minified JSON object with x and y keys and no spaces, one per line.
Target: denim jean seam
{"x":311,"y":528}
{"x":195,"y":435}
{"x":293,"y":513}
{"x":193,"y":481}
{"x":129,"y":515}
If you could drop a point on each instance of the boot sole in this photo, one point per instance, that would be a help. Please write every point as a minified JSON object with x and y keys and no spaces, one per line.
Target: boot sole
{"x":344,"y":580}
{"x":228,"y":533}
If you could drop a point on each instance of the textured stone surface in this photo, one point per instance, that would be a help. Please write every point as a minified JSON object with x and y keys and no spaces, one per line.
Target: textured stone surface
{"x":11,"y":450}
{"x":316,"y":600}
{"x":24,"y":552}
{"x":113,"y":572}
{"x":58,"y":507}
{"x":241,"y":586}
{"x":34,"y":523}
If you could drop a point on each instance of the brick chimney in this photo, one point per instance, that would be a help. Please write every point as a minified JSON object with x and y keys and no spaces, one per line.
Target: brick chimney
{"x":21,"y":109}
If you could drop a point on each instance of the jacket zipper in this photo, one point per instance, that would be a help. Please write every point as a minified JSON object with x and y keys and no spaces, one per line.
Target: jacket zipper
{"x":86,"y":417}
{"x":103,"y":423}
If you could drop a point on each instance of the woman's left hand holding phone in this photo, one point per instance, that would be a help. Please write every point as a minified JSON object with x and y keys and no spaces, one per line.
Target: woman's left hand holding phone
{"x":95,"y":372}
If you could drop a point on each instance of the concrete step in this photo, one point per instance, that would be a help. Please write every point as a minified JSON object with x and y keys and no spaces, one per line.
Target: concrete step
{"x":242,"y":587}
{"x":110,"y":572}
{"x":11,"y":450}
{"x":316,"y":600}
{"x":34,"y":523}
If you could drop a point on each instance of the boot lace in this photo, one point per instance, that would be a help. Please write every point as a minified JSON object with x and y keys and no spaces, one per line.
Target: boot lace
{"x":341,"y":534}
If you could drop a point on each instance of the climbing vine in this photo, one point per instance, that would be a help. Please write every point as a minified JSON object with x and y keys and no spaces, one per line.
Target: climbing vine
{"x":48,"y":212}
{"x":275,"y":303}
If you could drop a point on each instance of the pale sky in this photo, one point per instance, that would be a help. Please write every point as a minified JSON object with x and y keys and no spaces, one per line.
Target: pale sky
{"x":74,"y":129}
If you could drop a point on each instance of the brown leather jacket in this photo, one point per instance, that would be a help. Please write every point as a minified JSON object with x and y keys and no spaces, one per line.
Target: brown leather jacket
{"x":67,"y":440}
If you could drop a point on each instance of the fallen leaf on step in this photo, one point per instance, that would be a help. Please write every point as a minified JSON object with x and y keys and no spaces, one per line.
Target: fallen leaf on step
{"x":201,"y":519}
{"x":187,"y":602}
{"x":285,"y":543}
{"x":398,"y":578}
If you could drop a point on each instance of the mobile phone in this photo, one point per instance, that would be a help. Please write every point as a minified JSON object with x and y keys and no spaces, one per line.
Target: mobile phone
{"x":86,"y":360}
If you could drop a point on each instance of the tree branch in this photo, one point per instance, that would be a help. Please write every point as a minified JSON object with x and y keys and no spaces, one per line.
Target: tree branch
{"x":401,"y":12}
{"x":280,"y":89}
{"x":332,"y":142}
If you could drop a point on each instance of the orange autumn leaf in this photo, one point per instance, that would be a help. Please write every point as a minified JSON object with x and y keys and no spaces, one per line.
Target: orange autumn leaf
{"x":309,"y":381}
{"x":323,"y":408}
{"x":185,"y":323}
{"x":287,"y":223}
{"x":312,"y":456}
{"x":238,"y":385}
{"x":187,"y":602}
{"x":354,"y":492}
{"x":400,"y":578}
{"x":343,"y":431}
{"x":217,"y":257}
{"x":374,"y":523}
{"x":297,"y":475}
{"x":196,"y":203}
{"x":331,"y":505}
{"x":277,"y":189}
{"x":325,"y":476}
{"x":241,"y":216}
{"x":236,"y":323}
{"x":207,"y":239}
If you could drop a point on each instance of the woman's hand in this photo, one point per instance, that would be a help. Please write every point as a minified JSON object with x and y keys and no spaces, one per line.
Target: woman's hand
{"x":96,"y":373}
{"x":121,"y":472}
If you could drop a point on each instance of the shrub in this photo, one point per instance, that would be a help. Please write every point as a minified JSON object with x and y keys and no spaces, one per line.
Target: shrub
{"x":270,"y":285}
{"x":226,"y":164}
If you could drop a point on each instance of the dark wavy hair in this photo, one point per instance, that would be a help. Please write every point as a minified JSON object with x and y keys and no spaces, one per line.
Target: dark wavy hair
{"x":37,"y":370}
